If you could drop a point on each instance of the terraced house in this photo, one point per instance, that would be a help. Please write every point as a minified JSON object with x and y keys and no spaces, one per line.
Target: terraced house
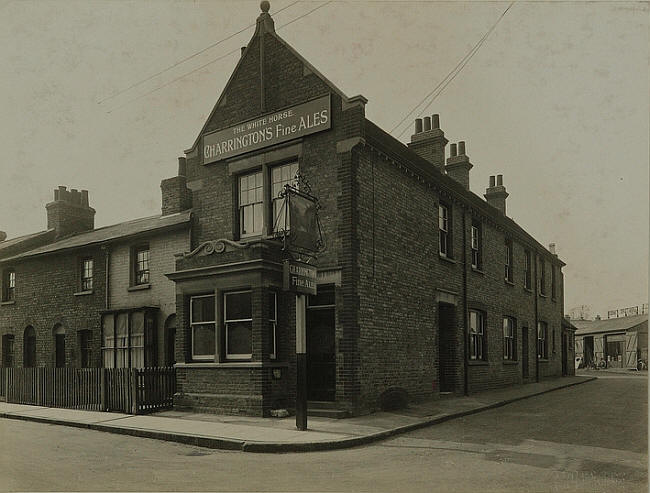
{"x":424,"y":288}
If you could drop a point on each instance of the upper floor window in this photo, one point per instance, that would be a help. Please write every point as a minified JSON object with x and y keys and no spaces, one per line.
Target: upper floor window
{"x":87,"y":274}
{"x":542,"y":277}
{"x":527,"y":269}
{"x":477,"y":342}
{"x":476,"y":245}
{"x":553,"y":282}
{"x":508,"y":261}
{"x":542,"y":338}
{"x":141,"y":265}
{"x":285,"y":174}
{"x":444,"y":228}
{"x":8,"y":285}
{"x":509,"y":343}
{"x":251,"y":204}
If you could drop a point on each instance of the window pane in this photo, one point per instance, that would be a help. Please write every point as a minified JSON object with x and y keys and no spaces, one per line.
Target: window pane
{"x":137,"y":323}
{"x":238,"y":306}
{"x":203,"y":340}
{"x":239,"y":337}
{"x":202,"y":309}
{"x":473,"y":323}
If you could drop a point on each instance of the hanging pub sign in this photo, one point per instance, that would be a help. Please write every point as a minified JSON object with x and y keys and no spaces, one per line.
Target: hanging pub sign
{"x":299,"y":277}
{"x":281,"y":126}
{"x":304,"y":234}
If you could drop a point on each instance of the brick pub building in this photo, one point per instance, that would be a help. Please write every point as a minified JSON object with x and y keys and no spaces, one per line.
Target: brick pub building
{"x":423,"y":287}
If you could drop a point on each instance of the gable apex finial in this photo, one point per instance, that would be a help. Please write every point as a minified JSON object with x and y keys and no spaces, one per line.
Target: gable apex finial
{"x":265,"y":21}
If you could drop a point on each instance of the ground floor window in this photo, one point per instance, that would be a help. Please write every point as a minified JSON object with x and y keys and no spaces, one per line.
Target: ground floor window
{"x":84,"y":348}
{"x":59,"y":346}
{"x":7,"y":350}
{"x":509,"y":341}
{"x":238,"y":323}
{"x":542,"y":338}
{"x":477,"y":343}
{"x":129,"y":339}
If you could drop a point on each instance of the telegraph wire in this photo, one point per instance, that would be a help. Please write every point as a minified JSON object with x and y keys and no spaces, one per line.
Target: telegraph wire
{"x":183,"y":60}
{"x":211,"y":61}
{"x":451,"y":75}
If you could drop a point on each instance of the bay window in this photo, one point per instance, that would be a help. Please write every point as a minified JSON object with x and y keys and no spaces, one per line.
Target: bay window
{"x":203,"y":326}
{"x":238,"y":323}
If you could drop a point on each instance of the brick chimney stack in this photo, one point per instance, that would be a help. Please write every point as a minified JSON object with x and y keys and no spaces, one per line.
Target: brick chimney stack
{"x":70,"y":213}
{"x":458,"y":165}
{"x":496,"y":194}
{"x":429,"y":141}
{"x":176,"y":197}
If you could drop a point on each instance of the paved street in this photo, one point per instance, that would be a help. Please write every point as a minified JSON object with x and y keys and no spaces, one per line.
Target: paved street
{"x":591,"y":437}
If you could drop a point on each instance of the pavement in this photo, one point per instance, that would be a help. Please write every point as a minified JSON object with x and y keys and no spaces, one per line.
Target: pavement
{"x":253,"y":434}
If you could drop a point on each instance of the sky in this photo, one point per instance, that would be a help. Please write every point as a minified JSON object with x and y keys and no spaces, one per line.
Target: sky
{"x":556,"y":99}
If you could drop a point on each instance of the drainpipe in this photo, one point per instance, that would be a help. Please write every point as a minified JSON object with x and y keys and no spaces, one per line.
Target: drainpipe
{"x":536,"y":294}
{"x":465,"y":337}
{"x":107,"y":257}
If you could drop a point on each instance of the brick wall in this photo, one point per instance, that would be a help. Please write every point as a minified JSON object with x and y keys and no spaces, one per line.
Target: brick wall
{"x":45,"y":296}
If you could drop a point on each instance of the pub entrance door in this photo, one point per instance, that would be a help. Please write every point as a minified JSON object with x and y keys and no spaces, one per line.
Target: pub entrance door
{"x":321,"y":347}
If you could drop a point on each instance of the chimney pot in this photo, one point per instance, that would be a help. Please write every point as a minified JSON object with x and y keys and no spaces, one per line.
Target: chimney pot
{"x":551,"y":248}
{"x":3,"y":236}
{"x":243,"y":49}
{"x":182,"y":166}
{"x":452,"y":150}
{"x":492,"y":181}
{"x":461,"y":148}
{"x":435,"y":121}
{"x":427,"y":123}
{"x":84,"y":198}
{"x":500,"y":180}
{"x":418,"y":125}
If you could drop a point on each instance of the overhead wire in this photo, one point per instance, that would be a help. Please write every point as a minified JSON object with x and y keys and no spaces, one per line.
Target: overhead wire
{"x":187,"y":58}
{"x":451,"y":75}
{"x":211,"y":61}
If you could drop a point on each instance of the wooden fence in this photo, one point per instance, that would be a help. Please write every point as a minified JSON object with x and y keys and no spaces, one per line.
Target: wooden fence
{"x":128,"y":390}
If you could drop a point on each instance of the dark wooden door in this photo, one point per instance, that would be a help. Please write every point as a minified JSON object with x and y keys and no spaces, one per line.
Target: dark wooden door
{"x":524,"y":352}
{"x":447,"y":342}
{"x":321,"y":354}
{"x":60,"y":350}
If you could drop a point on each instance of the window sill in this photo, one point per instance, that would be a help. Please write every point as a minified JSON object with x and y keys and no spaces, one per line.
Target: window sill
{"x":542,"y":295}
{"x":543,"y":360}
{"x":6,"y":303}
{"x":84,"y":293}
{"x":528,"y":290}
{"x":478,"y":271}
{"x":234,"y":364}
{"x":446,"y":259}
{"x":139,"y":287}
{"x":554,"y":300}
{"x":510,"y":362}
{"x":509,"y":282}
{"x":477,"y":362}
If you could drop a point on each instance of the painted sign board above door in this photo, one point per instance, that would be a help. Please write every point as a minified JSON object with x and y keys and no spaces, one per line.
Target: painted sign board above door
{"x":274,"y":128}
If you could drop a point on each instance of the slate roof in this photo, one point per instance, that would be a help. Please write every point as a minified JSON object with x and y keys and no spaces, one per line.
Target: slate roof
{"x":14,"y":245}
{"x":110,"y":233}
{"x":610,"y":324}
